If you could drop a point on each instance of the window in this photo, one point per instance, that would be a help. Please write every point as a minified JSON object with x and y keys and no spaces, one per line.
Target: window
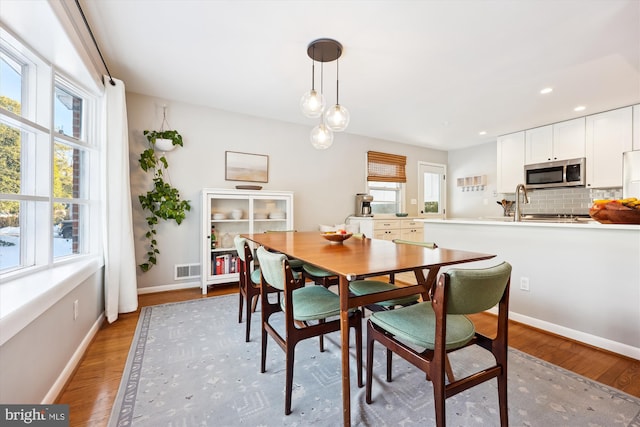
{"x":431,"y":188}
{"x":46,"y":168}
{"x":386,"y":179}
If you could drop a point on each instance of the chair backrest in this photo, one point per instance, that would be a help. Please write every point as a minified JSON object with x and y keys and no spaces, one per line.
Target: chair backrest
{"x":240,"y":243}
{"x":430,"y":245}
{"x":271,"y":265}
{"x":476,"y":290}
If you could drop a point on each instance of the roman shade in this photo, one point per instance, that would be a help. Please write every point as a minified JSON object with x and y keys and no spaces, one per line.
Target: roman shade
{"x":386,"y":167}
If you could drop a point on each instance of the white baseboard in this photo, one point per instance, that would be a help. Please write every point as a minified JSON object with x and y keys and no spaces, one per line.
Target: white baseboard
{"x":68,"y":370}
{"x":596,"y":341}
{"x":165,"y":288}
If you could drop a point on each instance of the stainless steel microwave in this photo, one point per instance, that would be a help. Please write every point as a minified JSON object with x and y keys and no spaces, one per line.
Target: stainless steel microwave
{"x":560,"y":173}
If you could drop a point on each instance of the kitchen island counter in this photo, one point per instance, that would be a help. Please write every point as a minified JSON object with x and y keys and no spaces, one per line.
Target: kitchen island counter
{"x":579,"y":280}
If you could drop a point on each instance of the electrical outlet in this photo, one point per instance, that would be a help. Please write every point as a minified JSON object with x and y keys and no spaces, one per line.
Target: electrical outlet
{"x":524,"y":283}
{"x":75,"y":309}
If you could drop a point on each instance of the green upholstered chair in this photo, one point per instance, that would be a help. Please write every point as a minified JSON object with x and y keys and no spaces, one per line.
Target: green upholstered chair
{"x":248,"y":282}
{"x":441,"y":325}
{"x":296,"y":264}
{"x":365,"y":287}
{"x":323,"y":277}
{"x":306,"y":312}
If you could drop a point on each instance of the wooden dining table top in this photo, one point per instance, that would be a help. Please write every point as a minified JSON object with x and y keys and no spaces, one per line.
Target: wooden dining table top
{"x":360,"y":257}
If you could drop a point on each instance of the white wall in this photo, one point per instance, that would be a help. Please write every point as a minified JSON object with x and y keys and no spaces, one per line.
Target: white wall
{"x":324,"y":181}
{"x":473,"y":161}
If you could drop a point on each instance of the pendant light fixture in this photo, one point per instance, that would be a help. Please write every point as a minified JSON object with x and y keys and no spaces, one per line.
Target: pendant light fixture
{"x":336,"y":118}
{"x":312,"y":102}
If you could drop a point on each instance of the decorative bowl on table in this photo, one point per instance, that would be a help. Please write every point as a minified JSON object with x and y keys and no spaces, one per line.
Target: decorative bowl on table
{"x":620,"y":211}
{"x":336,"y":236}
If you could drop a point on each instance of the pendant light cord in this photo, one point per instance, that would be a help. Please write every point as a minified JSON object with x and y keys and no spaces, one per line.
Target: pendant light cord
{"x":95,"y":43}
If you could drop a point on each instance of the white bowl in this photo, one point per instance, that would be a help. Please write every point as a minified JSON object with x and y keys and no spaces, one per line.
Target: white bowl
{"x":219,"y":216}
{"x":237,"y":214}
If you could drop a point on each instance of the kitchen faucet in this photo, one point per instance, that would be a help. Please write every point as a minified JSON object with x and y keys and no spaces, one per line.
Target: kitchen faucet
{"x":518,"y":214}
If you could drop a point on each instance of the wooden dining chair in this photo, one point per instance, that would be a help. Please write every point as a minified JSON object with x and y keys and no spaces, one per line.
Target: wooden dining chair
{"x":248,"y":282}
{"x":306,"y":310}
{"x":366,"y":287}
{"x":440,"y":326}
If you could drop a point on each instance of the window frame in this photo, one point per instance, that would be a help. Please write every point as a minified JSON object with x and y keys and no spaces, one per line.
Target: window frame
{"x":36,"y":121}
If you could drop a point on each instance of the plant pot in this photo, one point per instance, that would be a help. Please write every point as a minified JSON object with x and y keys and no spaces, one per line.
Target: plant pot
{"x":164,"y":144}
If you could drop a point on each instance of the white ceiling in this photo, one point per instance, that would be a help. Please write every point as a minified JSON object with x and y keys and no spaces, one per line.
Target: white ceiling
{"x":432,"y":73}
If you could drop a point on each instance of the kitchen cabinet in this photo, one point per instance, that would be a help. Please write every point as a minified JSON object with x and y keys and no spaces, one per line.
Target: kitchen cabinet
{"x":232,"y":212}
{"x":510,"y":161}
{"x":390,"y":228}
{"x":608,"y":135}
{"x":636,"y":127}
{"x":560,"y":141}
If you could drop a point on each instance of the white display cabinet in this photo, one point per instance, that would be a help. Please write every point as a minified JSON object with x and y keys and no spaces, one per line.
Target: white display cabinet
{"x":234,"y":212}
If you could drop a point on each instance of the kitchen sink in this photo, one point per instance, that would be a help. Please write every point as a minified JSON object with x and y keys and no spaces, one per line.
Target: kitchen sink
{"x":577,"y":219}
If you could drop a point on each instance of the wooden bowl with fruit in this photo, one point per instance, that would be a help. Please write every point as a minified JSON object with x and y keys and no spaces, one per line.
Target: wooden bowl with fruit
{"x":617,"y":211}
{"x":338,"y":236}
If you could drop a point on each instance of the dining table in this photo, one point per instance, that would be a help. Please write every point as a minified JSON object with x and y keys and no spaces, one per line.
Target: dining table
{"x":357,"y":258}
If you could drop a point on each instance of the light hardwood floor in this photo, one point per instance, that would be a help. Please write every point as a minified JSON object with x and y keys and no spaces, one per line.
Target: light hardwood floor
{"x":93,"y":387}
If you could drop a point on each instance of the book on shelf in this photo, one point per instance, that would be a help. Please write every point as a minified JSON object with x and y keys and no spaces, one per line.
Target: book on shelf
{"x":224,"y":264}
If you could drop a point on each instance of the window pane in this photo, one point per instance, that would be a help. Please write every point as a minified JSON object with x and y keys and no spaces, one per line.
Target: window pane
{"x":9,"y":234}
{"x":431,"y":192}
{"x":67,"y":114}
{"x":10,"y":84}
{"x":10,"y":143}
{"x":67,"y":229}
{"x":386,"y":197}
{"x":67,"y":171}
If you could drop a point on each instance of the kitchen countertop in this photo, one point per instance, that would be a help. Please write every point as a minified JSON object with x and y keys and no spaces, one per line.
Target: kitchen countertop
{"x":508,"y":222}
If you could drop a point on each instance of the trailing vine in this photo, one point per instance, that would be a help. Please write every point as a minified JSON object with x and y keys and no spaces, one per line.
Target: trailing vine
{"x":163,"y":201}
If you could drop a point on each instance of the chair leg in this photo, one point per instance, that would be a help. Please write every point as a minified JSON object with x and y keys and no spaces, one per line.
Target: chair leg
{"x":447,"y":368}
{"x":502,"y":398}
{"x":290,"y":353}
{"x":240,"y":305}
{"x":358,"y":328}
{"x":389,"y":363}
{"x":256,"y":298}
{"x":247,"y":333}
{"x":263,"y":357}
{"x":368,"y":384}
{"x":437,"y":379}
{"x":321,"y":337}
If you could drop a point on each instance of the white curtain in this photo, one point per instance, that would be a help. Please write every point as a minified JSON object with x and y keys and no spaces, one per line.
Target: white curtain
{"x":121,"y":294}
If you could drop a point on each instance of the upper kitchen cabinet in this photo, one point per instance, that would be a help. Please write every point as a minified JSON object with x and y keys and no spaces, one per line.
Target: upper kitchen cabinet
{"x":510,"y":162}
{"x":609,"y":134}
{"x":636,"y":127}
{"x":561,"y":141}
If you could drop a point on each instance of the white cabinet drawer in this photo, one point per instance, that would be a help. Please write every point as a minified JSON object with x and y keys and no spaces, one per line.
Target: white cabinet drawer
{"x":386,"y":225}
{"x":412,"y":234}
{"x":387,"y":234}
{"x":411,"y":224}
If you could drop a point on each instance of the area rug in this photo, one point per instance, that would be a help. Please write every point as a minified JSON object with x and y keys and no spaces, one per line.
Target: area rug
{"x":190,"y":366}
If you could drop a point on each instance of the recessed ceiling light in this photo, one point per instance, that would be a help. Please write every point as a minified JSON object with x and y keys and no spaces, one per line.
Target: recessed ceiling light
{"x":546,"y":90}
{"x":482,"y":132}
{"x":580,"y":108}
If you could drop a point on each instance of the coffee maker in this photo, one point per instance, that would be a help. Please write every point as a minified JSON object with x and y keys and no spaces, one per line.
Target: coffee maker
{"x":363,"y":204}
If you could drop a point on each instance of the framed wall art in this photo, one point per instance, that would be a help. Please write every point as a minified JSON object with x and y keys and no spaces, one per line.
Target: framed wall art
{"x":246,"y":167}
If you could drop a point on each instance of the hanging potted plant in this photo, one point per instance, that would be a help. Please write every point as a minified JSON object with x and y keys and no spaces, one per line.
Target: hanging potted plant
{"x":163,"y":201}
{"x":163,"y":140}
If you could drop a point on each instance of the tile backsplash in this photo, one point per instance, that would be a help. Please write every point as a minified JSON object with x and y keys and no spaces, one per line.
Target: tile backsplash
{"x":567,"y":200}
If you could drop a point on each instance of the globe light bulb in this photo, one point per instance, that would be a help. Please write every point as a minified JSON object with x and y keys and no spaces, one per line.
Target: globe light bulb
{"x":337,"y":118}
{"x":321,"y":137}
{"x":312,"y":104}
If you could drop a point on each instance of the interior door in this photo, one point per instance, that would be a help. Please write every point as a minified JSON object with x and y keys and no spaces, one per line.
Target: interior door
{"x":431,"y":190}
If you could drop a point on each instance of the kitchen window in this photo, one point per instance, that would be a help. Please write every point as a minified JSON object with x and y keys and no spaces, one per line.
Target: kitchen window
{"x":49,"y":168}
{"x":386,"y":178}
